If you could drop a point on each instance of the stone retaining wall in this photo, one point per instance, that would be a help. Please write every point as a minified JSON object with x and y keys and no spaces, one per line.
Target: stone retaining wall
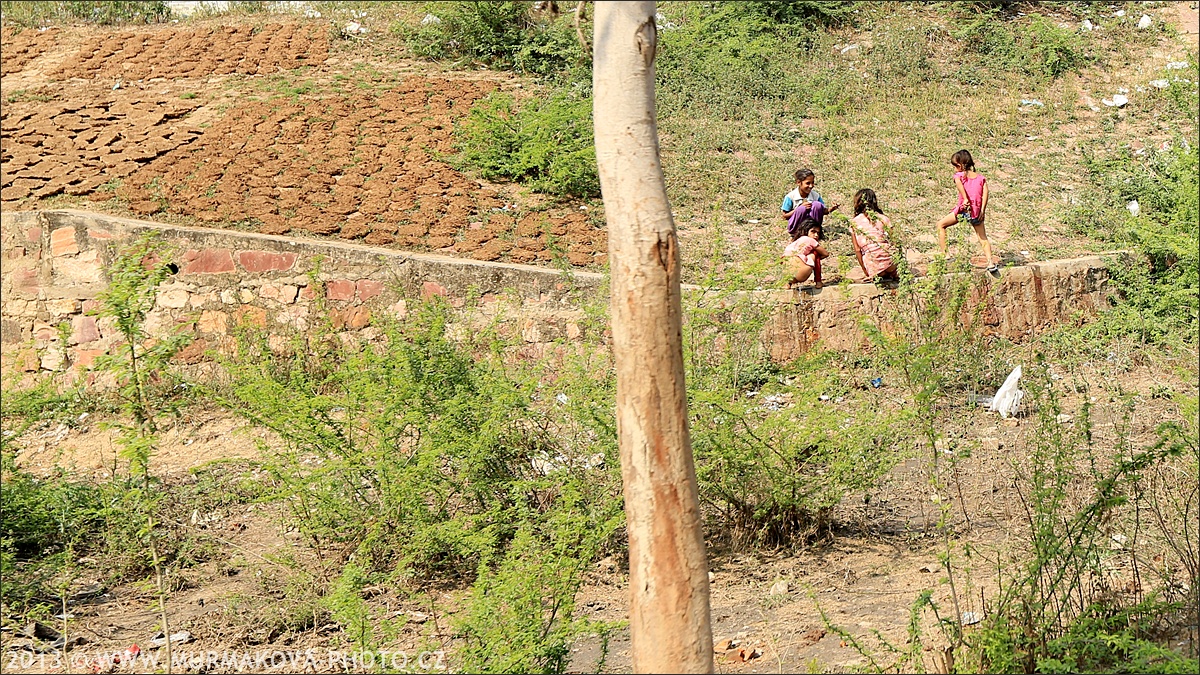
{"x":54,"y":262}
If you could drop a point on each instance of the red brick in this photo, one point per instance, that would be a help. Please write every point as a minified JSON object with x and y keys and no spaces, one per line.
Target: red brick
{"x":95,"y":233}
{"x":306,"y":293}
{"x":208,"y":261}
{"x":368,"y":289}
{"x":26,"y":280}
{"x":62,"y":241}
{"x":91,"y":306}
{"x":430,"y":289}
{"x":85,"y":357}
{"x":266,"y":261}
{"x":339,"y":289}
{"x":84,"y":330}
{"x":34,"y":234}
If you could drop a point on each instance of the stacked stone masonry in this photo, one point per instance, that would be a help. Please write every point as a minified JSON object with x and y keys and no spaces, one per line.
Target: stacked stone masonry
{"x":54,"y":266}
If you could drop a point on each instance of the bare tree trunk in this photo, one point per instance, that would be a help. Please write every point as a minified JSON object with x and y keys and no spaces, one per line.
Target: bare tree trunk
{"x":668,"y":568}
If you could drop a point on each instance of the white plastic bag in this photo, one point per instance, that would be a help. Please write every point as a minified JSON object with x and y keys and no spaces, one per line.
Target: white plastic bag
{"x":1008,"y":399}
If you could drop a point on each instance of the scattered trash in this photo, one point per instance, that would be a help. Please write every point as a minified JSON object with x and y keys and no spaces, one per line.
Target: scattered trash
{"x":930,"y":569}
{"x":1118,"y":101}
{"x":755,"y":221}
{"x":1008,"y":397}
{"x":744,"y":654}
{"x":1086,"y":25}
{"x":780,"y":587}
{"x":849,"y":48}
{"x":1118,"y":542}
{"x":1135,"y":209}
{"x":1177,"y":65}
{"x":180,"y":638}
{"x":774,"y":402}
{"x":971,"y":618}
{"x":1025,"y":254}
{"x":1063,"y":418}
{"x":1032,"y":138}
{"x":1033,"y":102}
{"x":877,"y":382}
{"x":1145,"y":22}
{"x":355,"y":28}
{"x":1119,"y":12}
{"x":430,"y":20}
{"x":824,"y":397}
{"x":1159,"y":84}
{"x":562,"y":398}
{"x":311,"y":13}
{"x":117,"y":85}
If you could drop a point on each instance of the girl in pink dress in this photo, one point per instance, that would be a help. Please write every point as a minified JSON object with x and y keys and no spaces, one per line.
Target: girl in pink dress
{"x":972,"y":205}
{"x":805,"y":254}
{"x":874,"y":250}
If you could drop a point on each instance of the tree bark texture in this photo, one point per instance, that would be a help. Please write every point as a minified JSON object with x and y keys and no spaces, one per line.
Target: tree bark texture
{"x":668,"y":567}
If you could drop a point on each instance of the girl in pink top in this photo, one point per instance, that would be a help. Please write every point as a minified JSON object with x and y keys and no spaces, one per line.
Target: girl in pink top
{"x":972,"y":205}
{"x":874,"y":250}
{"x":805,"y":254}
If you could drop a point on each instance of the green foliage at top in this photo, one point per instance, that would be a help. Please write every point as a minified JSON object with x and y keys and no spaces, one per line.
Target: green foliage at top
{"x":824,"y":12}
{"x":1036,"y":46}
{"x":102,"y":12}
{"x":503,"y":35}
{"x":547,"y":144}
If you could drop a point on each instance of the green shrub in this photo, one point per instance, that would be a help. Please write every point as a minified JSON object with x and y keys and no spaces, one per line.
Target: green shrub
{"x":547,"y":144}
{"x":1035,"y":46}
{"x":521,"y":615}
{"x":1160,"y":283}
{"x":103,"y":12}
{"x":416,"y":456}
{"x":503,"y":35}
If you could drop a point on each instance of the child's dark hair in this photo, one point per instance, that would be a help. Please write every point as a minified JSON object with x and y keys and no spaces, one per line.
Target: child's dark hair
{"x":963,"y":160}
{"x":801,"y":174}
{"x":865,"y":199}
{"x":809,"y":224}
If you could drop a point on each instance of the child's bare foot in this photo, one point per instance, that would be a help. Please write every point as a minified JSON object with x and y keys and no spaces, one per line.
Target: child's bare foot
{"x":817,"y":284}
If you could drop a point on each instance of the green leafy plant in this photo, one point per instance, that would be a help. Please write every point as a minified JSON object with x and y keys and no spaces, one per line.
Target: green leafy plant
{"x":140,"y":364}
{"x":499,"y":34}
{"x":544,"y":143}
{"x":102,"y":12}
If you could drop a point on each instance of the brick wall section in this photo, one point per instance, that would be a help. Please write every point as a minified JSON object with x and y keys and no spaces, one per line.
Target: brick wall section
{"x":54,"y":262}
